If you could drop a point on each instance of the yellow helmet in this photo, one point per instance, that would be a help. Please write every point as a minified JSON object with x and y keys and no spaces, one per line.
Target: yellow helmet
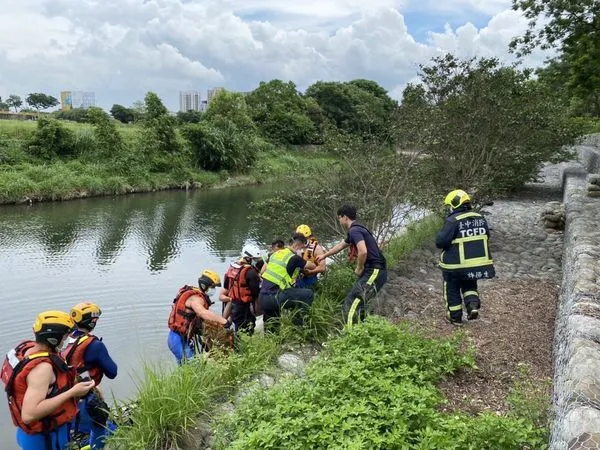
{"x":208,"y":279}
{"x":86,"y":314}
{"x":304,"y":230}
{"x":457,"y":198}
{"x":50,"y":327}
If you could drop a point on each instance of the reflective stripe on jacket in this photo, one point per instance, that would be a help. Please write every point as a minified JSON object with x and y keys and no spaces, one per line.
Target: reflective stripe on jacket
{"x":276,"y":271}
{"x":469,"y":247}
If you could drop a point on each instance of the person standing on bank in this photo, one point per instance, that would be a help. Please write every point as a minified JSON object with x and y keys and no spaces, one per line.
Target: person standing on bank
{"x":465,"y":257}
{"x":40,"y":386}
{"x":370,"y":265}
{"x":279,"y":275}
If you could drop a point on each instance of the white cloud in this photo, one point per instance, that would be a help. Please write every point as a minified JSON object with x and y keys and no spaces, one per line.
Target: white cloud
{"x":122,"y":48}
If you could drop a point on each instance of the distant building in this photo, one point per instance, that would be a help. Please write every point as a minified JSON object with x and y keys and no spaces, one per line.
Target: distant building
{"x":203,"y":105}
{"x":189,"y":101}
{"x":212,"y":93}
{"x":77,"y":100}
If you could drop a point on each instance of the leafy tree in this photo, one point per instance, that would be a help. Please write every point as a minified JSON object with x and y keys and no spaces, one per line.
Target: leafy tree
{"x":139,"y":111}
{"x":565,"y":23}
{"x":39,"y":101}
{"x":51,"y":139}
{"x":281,"y":113}
{"x":14,"y":101}
{"x":3,"y":105}
{"x":573,"y":26}
{"x":371,"y":176}
{"x":220,"y":145}
{"x":108,"y":139}
{"x":122,"y":113}
{"x":481,"y":126}
{"x":360,"y":107}
{"x":226,"y":137}
{"x":189,"y":116}
{"x":158,"y":137}
{"x":231,"y":106}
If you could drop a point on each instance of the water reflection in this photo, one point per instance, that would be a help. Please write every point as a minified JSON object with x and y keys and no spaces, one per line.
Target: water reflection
{"x":161,"y":222}
{"x":130,"y":255}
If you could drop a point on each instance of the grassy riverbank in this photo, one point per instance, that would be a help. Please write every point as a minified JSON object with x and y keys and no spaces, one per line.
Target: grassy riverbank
{"x":24,"y":179}
{"x":380,"y":374}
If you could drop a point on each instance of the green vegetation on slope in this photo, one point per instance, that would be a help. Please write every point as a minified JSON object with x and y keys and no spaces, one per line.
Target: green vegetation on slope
{"x":372,"y":387}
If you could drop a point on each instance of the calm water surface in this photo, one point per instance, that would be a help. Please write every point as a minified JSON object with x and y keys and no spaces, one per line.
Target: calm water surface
{"x":128,"y":254}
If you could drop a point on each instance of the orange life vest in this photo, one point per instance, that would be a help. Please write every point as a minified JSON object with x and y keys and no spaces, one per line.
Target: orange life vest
{"x":74,"y":355}
{"x":308,"y":254}
{"x":238,"y":285}
{"x":183,"y":320}
{"x":17,"y":365}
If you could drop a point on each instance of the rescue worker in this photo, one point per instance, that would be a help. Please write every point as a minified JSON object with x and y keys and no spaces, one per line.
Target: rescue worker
{"x":189,"y":311}
{"x":88,"y":355}
{"x":279,"y":275}
{"x":465,"y":257}
{"x":241,"y":286}
{"x":40,"y":387}
{"x":313,"y":249}
{"x":370,"y":265}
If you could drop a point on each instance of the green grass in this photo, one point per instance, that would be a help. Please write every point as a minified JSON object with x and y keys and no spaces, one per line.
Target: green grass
{"x":24,"y":178}
{"x":170,"y":402}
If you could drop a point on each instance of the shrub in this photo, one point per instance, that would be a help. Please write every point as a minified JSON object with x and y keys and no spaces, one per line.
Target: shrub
{"x":51,"y":140}
{"x":371,"y":388}
{"x":221,"y":145}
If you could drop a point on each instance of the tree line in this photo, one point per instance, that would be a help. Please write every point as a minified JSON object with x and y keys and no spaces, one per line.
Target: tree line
{"x":36,"y":100}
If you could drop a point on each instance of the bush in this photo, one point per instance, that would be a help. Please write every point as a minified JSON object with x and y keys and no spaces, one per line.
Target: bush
{"x":481,"y":126}
{"x":51,"y":140}
{"x":371,"y":388}
{"x":221,"y":145}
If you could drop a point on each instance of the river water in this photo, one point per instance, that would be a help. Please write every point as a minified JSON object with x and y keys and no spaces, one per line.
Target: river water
{"x":129,"y":254}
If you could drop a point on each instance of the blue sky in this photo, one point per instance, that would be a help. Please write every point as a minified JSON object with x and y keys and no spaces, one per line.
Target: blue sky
{"x":120,"y":49}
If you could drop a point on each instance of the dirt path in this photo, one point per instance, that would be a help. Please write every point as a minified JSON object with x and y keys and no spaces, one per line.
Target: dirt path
{"x":516,"y":327}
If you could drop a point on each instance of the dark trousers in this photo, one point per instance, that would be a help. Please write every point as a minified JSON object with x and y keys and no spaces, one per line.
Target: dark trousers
{"x":242,"y":316}
{"x":292,"y":298}
{"x":364,"y":289}
{"x":458,"y":290}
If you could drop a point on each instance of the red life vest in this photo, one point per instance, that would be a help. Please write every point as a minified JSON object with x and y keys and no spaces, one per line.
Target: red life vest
{"x":183,"y":320}
{"x":308,"y":254}
{"x":237,"y":283}
{"x":74,"y":355}
{"x":17,"y":366}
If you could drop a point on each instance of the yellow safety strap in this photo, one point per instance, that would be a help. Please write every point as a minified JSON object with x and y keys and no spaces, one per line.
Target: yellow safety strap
{"x":373,"y":276}
{"x":357,"y":300}
{"x":352,"y":311}
{"x":467,"y":215}
{"x":469,"y":293}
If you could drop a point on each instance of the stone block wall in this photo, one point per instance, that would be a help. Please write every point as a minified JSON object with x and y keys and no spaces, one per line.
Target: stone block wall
{"x":576,"y":396}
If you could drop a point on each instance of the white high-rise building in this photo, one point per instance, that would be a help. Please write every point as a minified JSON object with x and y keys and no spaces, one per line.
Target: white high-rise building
{"x":77,"y":99}
{"x":189,"y":101}
{"x":212,"y":92}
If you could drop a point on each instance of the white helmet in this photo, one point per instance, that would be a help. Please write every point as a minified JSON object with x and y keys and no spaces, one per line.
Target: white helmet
{"x":251,"y":251}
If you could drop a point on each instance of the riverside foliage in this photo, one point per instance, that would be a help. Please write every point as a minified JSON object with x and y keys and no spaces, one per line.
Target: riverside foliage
{"x":472,"y":120}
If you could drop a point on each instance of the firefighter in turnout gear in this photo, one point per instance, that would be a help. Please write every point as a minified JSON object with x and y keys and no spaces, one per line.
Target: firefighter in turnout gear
{"x":465,"y":257}
{"x":40,"y":387}
{"x":88,"y":355}
{"x":189,"y":311}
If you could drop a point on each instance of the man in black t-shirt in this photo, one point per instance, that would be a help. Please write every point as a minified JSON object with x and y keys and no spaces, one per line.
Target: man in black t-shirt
{"x":279,"y":275}
{"x":370,"y":265}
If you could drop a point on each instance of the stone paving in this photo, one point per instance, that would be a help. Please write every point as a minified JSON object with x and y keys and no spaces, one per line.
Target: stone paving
{"x":522,"y":248}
